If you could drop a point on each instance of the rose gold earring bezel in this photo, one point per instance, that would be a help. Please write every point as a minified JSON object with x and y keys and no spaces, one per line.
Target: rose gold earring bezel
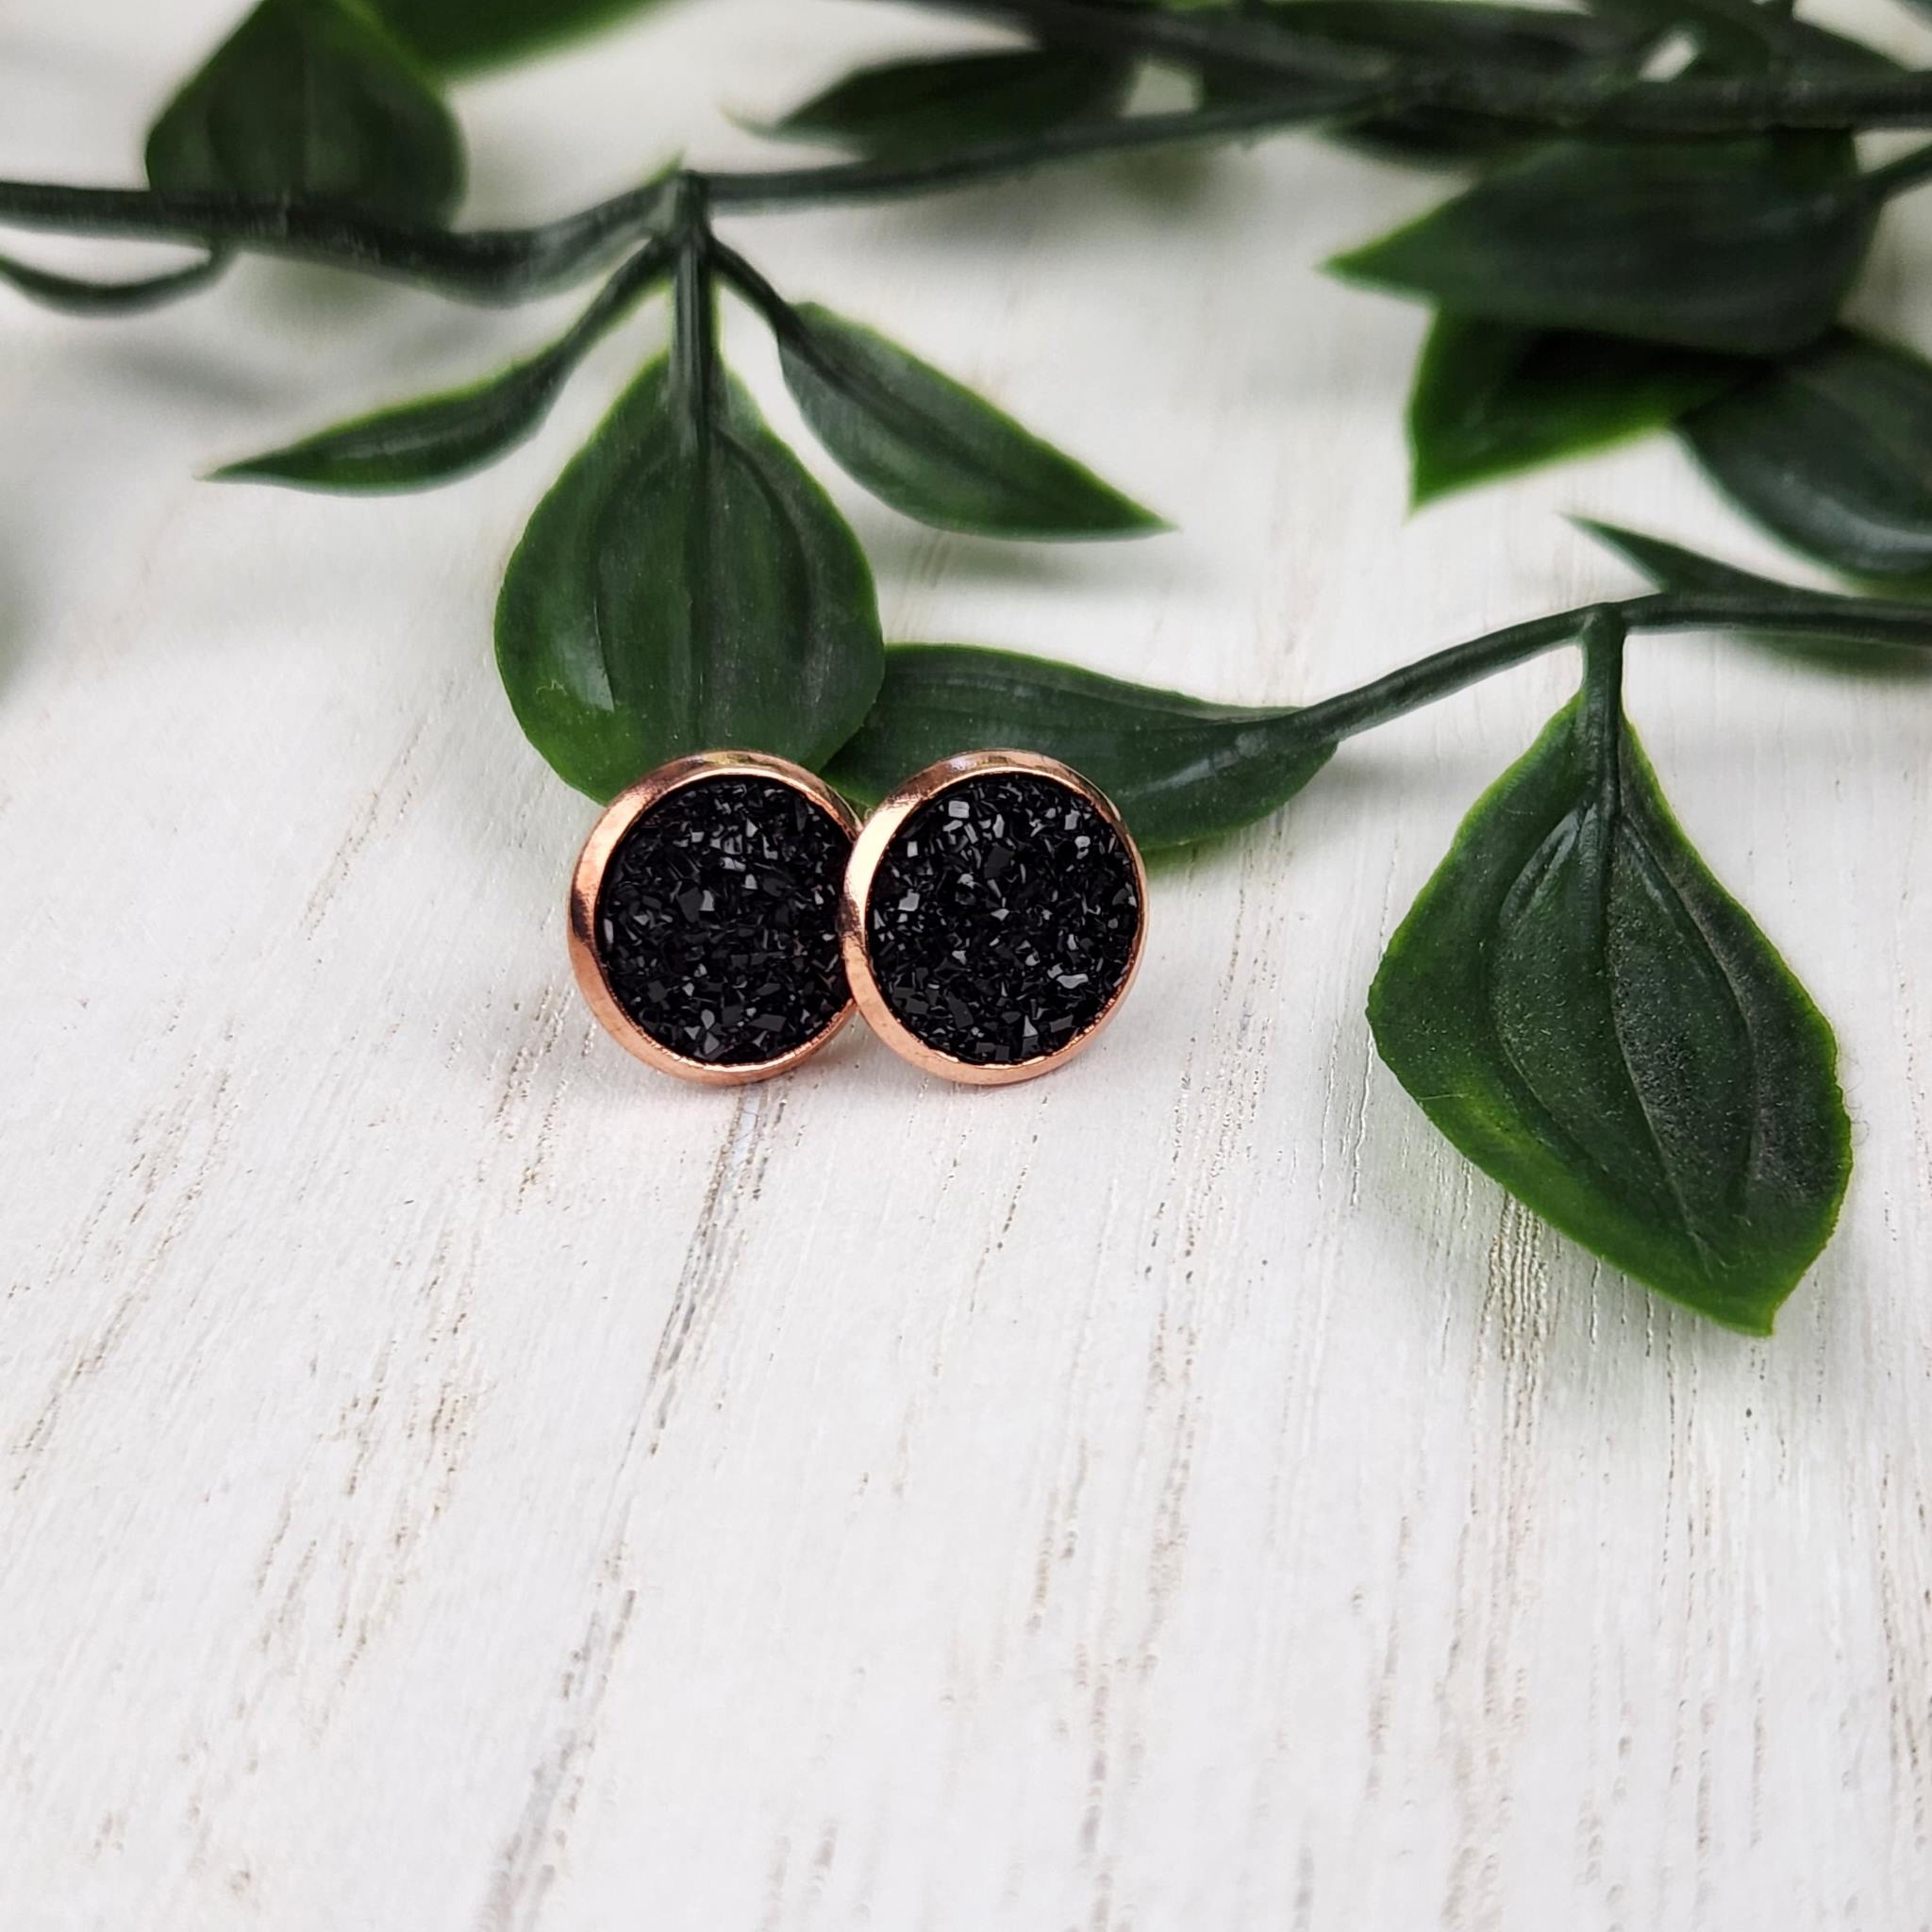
{"x":587,"y":882}
{"x":874,"y":839}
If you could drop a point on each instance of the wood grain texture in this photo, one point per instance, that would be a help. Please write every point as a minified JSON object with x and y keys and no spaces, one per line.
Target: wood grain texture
{"x":450,"y":1479}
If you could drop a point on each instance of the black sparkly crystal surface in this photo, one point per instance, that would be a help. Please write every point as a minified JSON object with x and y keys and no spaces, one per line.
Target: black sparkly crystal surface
{"x":1002,"y":919}
{"x":718,"y":921}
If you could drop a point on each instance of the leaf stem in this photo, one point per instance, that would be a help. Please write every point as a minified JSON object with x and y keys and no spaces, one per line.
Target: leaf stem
{"x":693,"y":316}
{"x":733,"y":268}
{"x":1439,"y":676}
{"x":1865,"y":619}
{"x":479,"y":264}
{"x":1896,"y":176}
{"x":1603,"y":638}
{"x":635,"y":279}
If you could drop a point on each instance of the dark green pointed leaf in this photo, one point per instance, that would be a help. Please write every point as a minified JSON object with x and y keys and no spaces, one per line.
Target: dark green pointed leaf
{"x":1490,"y":399}
{"x":930,"y":447}
{"x":312,"y":100}
{"x":1842,"y":633}
{"x":903,"y":108}
{"x":685,"y":585}
{"x":1831,"y":450}
{"x":1738,"y":247}
{"x":1580,"y":1006}
{"x":459,"y":36}
{"x":76,"y":296}
{"x":418,"y":444}
{"x":1179,"y":770}
{"x":1671,"y":567}
{"x":1536,"y":41}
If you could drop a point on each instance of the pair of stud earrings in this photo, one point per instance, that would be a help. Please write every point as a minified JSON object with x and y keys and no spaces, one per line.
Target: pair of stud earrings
{"x":728,"y":911}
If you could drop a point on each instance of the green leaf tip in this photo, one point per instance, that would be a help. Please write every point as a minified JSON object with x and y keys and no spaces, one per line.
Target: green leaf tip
{"x":1886,"y":636}
{"x":1181,"y":771}
{"x":79,"y":295}
{"x":900,"y":109}
{"x":415,"y":445}
{"x":1490,"y":400}
{"x":934,"y":449}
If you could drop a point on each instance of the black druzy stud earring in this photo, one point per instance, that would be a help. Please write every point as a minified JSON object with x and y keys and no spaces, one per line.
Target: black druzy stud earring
{"x":993,"y":915}
{"x":704,"y":916}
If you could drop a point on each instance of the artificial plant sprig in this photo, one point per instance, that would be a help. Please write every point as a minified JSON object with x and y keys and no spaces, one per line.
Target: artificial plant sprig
{"x":1575,"y":1000}
{"x":1604,"y":104}
{"x":513,"y":264}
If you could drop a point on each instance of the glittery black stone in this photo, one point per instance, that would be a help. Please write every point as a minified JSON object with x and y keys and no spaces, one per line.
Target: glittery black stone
{"x":718,"y":921}
{"x":1003,"y":918}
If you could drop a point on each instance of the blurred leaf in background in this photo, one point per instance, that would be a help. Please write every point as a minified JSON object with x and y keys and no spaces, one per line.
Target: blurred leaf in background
{"x":312,"y":99}
{"x":458,"y":36}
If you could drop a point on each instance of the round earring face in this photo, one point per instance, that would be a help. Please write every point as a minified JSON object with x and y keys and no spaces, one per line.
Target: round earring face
{"x":704,"y":917}
{"x":993,"y":916}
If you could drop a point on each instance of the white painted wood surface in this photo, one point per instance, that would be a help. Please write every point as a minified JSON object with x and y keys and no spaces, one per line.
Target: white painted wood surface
{"x":454,"y":1479}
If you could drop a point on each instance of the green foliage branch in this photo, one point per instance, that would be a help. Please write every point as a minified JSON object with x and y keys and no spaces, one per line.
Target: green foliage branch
{"x":1575,"y":1000}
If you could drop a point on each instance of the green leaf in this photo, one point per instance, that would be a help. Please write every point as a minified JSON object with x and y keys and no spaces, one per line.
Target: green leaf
{"x":1671,"y":567}
{"x":1831,"y":450}
{"x":906,"y":107}
{"x":930,"y":447}
{"x":1490,"y":400}
{"x":1738,"y":247}
{"x":76,"y":296}
{"x":312,"y":100}
{"x":1179,"y":770}
{"x":1580,"y":1006}
{"x":686,"y":585}
{"x":1533,"y":40}
{"x":458,"y":36}
{"x":1831,"y":630}
{"x":418,"y":444}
